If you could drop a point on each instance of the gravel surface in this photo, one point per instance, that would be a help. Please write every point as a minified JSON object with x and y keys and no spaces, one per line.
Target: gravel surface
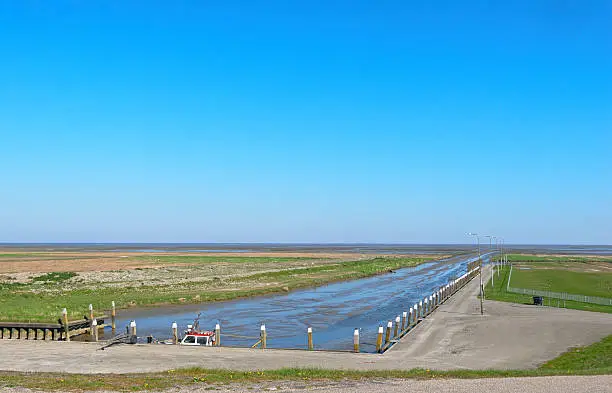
{"x":590,"y":384}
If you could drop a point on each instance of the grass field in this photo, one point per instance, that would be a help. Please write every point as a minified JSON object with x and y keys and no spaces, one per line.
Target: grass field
{"x":595,"y":359}
{"x":174,"y":280}
{"x":550,"y":279}
{"x":553,"y":277}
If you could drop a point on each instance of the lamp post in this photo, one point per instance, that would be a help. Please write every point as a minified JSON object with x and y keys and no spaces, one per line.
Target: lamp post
{"x":491,"y":237}
{"x":479,"y":272}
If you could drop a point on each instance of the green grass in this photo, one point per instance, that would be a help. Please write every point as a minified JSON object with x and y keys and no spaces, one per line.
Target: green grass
{"x":499,"y":292}
{"x":595,"y":359}
{"x":555,"y":258}
{"x":589,"y":284}
{"x":596,"y":356}
{"x":27,"y":302}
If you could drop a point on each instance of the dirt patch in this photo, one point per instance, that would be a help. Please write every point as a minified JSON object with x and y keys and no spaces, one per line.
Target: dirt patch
{"x":113,"y":261}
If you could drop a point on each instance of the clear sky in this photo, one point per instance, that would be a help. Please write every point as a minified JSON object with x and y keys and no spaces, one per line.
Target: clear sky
{"x":305,"y":121}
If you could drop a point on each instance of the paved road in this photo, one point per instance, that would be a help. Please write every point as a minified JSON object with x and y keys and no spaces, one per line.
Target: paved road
{"x":455,"y":336}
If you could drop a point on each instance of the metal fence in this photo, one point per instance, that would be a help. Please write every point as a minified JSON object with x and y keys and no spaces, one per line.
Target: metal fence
{"x":563,"y":296}
{"x":558,"y":295}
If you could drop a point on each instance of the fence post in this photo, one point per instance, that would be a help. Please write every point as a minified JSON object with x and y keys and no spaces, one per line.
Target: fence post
{"x":310,"y":345}
{"x":356,"y":341}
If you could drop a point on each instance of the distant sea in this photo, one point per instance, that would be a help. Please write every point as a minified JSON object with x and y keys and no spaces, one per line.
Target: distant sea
{"x":358,"y":248}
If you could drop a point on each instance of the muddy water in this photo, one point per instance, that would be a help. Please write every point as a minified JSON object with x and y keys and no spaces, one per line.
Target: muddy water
{"x":333,"y":311}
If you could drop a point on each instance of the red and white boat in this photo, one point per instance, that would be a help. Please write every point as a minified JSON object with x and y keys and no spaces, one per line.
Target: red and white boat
{"x":194,"y":336}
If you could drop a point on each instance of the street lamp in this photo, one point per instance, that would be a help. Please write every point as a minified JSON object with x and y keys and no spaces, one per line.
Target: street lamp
{"x":490,"y":259}
{"x":479,"y":272}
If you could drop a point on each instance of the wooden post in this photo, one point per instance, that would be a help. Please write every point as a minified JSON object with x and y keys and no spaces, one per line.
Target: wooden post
{"x":310,"y":345}
{"x":113,"y":316}
{"x":404,"y":321}
{"x":388,"y":332}
{"x":411,"y":318}
{"x":94,"y":330}
{"x":91,"y":318}
{"x":397,"y":322}
{"x":263,"y":336}
{"x":356,"y":341}
{"x":218,"y":335}
{"x":133,"y":328}
{"x":379,"y":339}
{"x":420,"y":314}
{"x":174,"y":333}
{"x":65,"y":321}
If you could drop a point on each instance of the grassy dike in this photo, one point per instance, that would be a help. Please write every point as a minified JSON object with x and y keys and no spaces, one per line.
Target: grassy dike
{"x":595,"y":359}
{"x":44,"y":296}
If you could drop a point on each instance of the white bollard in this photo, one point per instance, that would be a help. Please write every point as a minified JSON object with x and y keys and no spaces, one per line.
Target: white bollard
{"x":174,"y":333}
{"x":94,"y":330}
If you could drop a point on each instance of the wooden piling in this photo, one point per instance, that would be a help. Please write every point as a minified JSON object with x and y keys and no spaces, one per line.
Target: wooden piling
{"x":218,"y":335}
{"x":263,"y":336}
{"x":65,"y":321}
{"x":94,"y":330}
{"x":420,"y":314}
{"x":379,"y":339}
{"x":133,"y":328}
{"x":404,"y":321}
{"x":310,"y":344}
{"x":174,"y":333}
{"x":91,"y":318}
{"x":397,"y":322}
{"x":113,"y":316}
{"x":356,"y":341}
{"x":388,"y":332}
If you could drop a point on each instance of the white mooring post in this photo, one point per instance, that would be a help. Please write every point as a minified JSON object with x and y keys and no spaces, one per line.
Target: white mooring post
{"x":310,"y":344}
{"x":133,"y":328}
{"x":263,"y":336}
{"x":356,"y":341}
{"x":94,"y":330}
{"x":217,"y":335}
{"x":174,"y":333}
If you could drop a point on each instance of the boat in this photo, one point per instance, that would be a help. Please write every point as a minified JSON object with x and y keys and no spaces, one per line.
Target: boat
{"x":193,"y":336}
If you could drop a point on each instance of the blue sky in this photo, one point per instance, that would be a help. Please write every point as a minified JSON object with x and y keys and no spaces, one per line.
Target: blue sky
{"x":306,"y":121}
